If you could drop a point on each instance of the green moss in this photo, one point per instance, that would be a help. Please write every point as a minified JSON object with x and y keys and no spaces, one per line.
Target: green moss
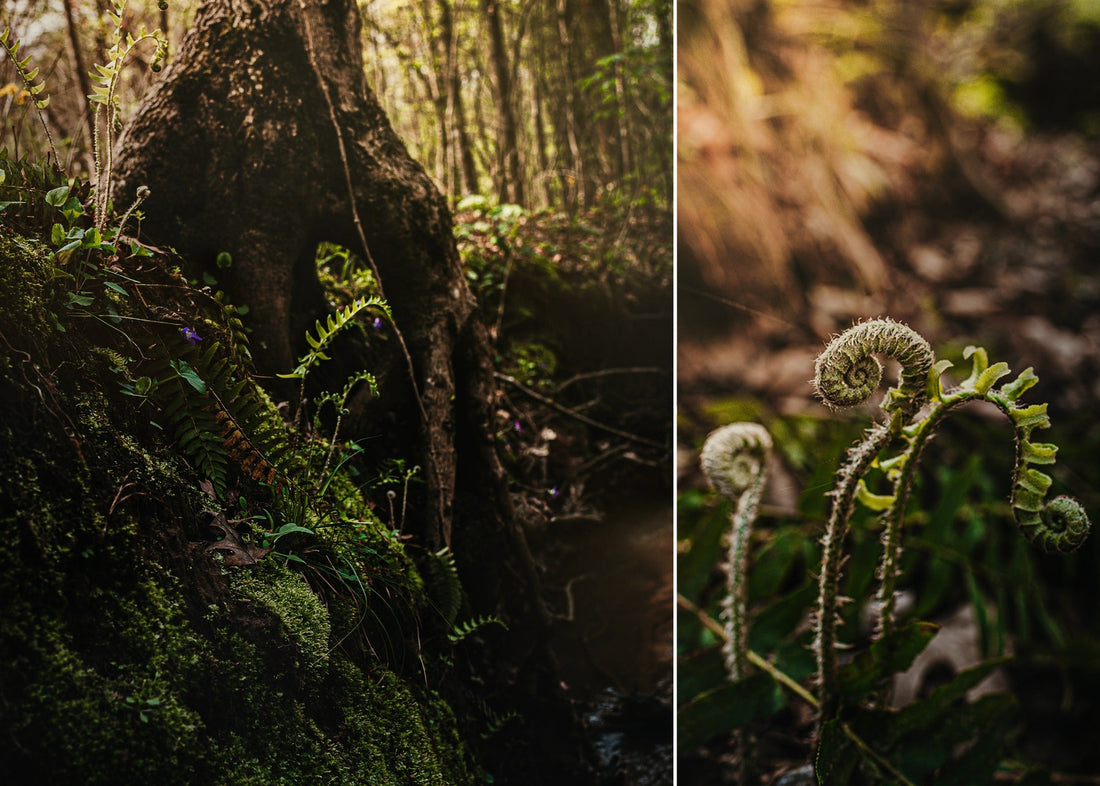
{"x":22,"y":287}
{"x":285,"y":593}
{"x":129,"y":654}
{"x":394,"y":724}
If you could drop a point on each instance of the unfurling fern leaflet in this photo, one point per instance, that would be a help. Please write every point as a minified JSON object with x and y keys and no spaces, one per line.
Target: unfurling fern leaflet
{"x":329,"y":329}
{"x":847,"y":374}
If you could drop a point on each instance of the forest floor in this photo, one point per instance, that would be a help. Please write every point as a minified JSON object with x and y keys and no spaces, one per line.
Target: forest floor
{"x":1025,"y":285}
{"x":580,"y":309}
{"x":1017,"y":275}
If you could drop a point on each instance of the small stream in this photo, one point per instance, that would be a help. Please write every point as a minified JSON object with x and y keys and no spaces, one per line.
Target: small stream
{"x":616,"y":652}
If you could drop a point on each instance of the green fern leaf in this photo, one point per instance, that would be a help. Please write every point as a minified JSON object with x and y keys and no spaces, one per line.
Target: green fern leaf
{"x":464,"y":629}
{"x":327,"y":331}
{"x":443,"y":586}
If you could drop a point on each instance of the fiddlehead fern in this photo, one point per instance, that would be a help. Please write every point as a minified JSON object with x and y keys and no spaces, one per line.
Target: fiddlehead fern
{"x":1062,"y":527}
{"x":734,"y":460}
{"x":1059,"y":525}
{"x":847,"y":372}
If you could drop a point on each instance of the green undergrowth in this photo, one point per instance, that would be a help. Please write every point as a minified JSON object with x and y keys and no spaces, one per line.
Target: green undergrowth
{"x":141,"y":643}
{"x":579,"y":309}
{"x":1033,"y":615}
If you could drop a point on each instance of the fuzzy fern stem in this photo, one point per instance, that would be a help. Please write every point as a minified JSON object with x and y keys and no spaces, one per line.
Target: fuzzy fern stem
{"x":860,"y":458}
{"x":734,"y":459}
{"x":848,"y":373}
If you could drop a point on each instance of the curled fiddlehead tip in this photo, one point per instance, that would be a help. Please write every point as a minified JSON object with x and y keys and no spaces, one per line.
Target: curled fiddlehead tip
{"x":733,"y":458}
{"x":847,"y":372}
{"x":1059,"y":527}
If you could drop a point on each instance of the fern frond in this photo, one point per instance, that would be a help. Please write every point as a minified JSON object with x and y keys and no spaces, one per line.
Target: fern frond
{"x":442,"y":584}
{"x":219,"y":416}
{"x":328,"y":330}
{"x":495,"y":720}
{"x":29,"y":75}
{"x":464,"y":629}
{"x":237,"y":336}
{"x":191,"y":413}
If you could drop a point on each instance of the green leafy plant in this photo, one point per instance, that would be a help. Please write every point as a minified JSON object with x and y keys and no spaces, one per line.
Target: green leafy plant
{"x":327,"y":330}
{"x":106,"y":99}
{"x":464,"y":629}
{"x":86,"y":247}
{"x":939,"y":738}
{"x":218,"y":414}
{"x":35,"y":89}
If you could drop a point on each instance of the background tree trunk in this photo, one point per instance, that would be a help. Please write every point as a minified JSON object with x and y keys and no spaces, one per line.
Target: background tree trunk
{"x":262,"y":140}
{"x":510,"y":186}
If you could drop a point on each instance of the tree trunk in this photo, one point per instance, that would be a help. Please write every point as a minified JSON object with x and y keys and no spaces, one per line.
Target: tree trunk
{"x":511,"y":175}
{"x":81,"y":75}
{"x":461,"y":161}
{"x":263,"y":139}
{"x":567,"y":120}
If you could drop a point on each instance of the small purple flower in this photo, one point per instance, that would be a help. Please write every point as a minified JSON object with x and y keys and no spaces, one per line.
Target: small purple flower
{"x":555,"y":492}
{"x":518,"y":426}
{"x":378,"y":323}
{"x":192,"y":337}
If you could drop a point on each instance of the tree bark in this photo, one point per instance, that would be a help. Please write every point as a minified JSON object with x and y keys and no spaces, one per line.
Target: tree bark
{"x":239,"y":148}
{"x":263,"y":140}
{"x":511,"y":185}
{"x":80,"y":71}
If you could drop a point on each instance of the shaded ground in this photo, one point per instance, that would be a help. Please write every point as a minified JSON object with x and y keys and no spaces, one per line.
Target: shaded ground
{"x":580,"y":310}
{"x":613,"y":634}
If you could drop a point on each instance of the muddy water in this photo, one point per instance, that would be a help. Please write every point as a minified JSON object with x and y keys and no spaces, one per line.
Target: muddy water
{"x":611,"y":584}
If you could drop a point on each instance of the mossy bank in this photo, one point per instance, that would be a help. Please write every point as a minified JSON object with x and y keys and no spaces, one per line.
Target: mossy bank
{"x":133,"y":652}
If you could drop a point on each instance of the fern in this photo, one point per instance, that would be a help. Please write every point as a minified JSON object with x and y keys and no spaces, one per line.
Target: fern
{"x":219,"y":416}
{"x":192,"y":416}
{"x":443,"y":585}
{"x":329,"y":329}
{"x":339,"y":400}
{"x":237,"y":337}
{"x":29,"y":75}
{"x":464,"y":629}
{"x":496,"y":720}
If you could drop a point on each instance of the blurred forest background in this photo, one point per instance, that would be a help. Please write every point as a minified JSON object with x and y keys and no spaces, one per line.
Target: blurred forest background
{"x":937,"y":162}
{"x":563,"y":104}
